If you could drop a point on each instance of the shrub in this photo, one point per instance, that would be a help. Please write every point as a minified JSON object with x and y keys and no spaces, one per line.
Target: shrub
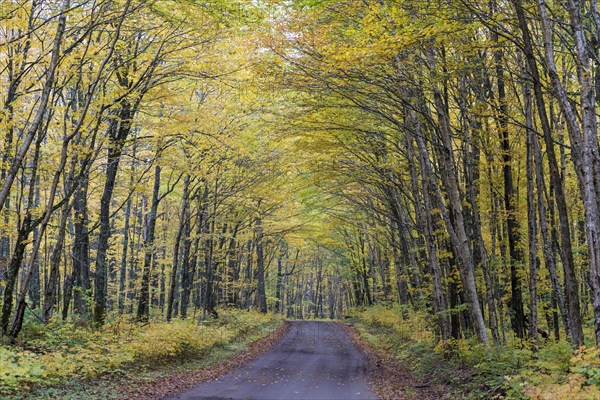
{"x":549,"y":372}
{"x":66,"y":350}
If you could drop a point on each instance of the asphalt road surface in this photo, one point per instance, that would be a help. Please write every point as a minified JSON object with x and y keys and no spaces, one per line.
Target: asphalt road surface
{"x":314,"y":360}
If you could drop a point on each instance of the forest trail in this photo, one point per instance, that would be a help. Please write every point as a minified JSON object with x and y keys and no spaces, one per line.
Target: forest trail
{"x":314,"y":360}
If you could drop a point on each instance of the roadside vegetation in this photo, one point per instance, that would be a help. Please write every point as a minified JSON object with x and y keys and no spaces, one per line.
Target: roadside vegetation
{"x":63,"y":355}
{"x":517,"y":370}
{"x":162,"y":160}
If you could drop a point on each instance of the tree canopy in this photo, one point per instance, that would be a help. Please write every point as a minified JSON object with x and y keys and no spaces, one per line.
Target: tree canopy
{"x":164,"y":159}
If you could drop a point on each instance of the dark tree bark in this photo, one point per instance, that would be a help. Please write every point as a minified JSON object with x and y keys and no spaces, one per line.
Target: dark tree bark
{"x":13,"y":271}
{"x":81,"y":245}
{"x":186,"y":276}
{"x":532,"y":228}
{"x":182,"y":220}
{"x":35,"y":282}
{"x":24,"y":229}
{"x":126,"y":233}
{"x":261,"y":295}
{"x":249,"y":274}
{"x":143,"y":310}
{"x":52,"y":285}
{"x":574,"y":329}
{"x":118,"y":131}
{"x":512,"y":227}
{"x":279,"y":284}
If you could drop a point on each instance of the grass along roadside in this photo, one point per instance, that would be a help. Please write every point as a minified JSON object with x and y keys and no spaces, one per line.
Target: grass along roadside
{"x":467,"y":371}
{"x":388,"y":378}
{"x":69,"y":362}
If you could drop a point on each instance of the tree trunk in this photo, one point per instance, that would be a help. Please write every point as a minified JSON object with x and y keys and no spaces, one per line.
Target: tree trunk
{"x":126,"y":228}
{"x":279,"y":284}
{"x":81,"y":245}
{"x":532,"y":226}
{"x":182,"y":220}
{"x":584,"y":140}
{"x":512,"y":227}
{"x":50,"y":293}
{"x":143,"y":310}
{"x":455,"y":221}
{"x":186,"y":276}
{"x":423,"y":211}
{"x":13,"y":271}
{"x":574,"y":329}
{"x":118,"y":132}
{"x":260,"y":267}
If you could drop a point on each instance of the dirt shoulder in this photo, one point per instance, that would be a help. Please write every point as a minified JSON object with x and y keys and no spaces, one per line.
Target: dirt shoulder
{"x":389,"y":378}
{"x":182,"y":380}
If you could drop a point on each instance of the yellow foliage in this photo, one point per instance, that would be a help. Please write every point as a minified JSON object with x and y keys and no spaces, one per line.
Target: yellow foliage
{"x":67,"y":351}
{"x":416,"y":327}
{"x":582,"y":381}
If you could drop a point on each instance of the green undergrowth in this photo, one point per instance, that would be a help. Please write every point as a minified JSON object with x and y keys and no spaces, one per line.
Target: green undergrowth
{"x":64,"y":360}
{"x":515,"y":371}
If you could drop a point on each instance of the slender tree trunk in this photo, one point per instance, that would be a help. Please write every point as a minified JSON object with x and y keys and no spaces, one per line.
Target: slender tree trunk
{"x":279,"y":285}
{"x":33,"y":291}
{"x":532,"y":230}
{"x":455,"y":222}
{"x":260,"y":266}
{"x":119,"y":130}
{"x":143,"y":310}
{"x":126,"y":228}
{"x":401,"y":279}
{"x":81,"y":263}
{"x":42,"y":105}
{"x":24,"y":229}
{"x":233,"y":268}
{"x":574,"y":329}
{"x":13,"y":271}
{"x":182,"y":219}
{"x":517,"y":313}
{"x":50,"y":293}
{"x":186,"y":276}
{"x":248,"y":278}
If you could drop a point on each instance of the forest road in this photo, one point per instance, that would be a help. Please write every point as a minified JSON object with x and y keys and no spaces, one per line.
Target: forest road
{"x":314,"y":360}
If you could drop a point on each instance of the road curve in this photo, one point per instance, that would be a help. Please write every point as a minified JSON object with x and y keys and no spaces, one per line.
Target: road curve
{"x":314,"y":360}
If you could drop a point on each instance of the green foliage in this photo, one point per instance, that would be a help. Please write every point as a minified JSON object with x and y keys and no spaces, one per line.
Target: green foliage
{"x":417,"y":327}
{"x":473,"y":372}
{"x":61,"y":351}
{"x":18,"y":366}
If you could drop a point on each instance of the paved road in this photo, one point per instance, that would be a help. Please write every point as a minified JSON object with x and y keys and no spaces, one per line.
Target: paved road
{"x":314,"y":360}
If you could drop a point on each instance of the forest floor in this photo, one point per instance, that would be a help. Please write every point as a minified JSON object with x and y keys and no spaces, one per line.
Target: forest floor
{"x":408,"y":368}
